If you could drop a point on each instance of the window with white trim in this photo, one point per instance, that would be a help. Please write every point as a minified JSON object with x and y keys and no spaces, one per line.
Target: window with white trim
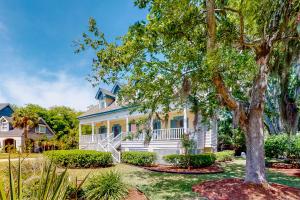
{"x":4,"y":126}
{"x":40,"y":128}
{"x":102,"y":103}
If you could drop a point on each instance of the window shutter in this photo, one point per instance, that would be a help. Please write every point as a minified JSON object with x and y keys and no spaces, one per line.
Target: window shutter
{"x":158,"y":124}
{"x":173,"y":123}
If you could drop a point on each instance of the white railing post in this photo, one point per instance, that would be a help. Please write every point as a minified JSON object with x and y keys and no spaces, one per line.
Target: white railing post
{"x":185,"y":119}
{"x":80,"y":134}
{"x":127,"y":124}
{"x":93,"y":131}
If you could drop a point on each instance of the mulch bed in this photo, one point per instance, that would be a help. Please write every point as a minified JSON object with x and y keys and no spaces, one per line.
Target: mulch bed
{"x":289,"y":172}
{"x":280,"y":165}
{"x":135,"y":194}
{"x":236,"y":189}
{"x":171,"y":169}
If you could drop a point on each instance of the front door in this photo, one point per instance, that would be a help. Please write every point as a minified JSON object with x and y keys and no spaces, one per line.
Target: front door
{"x":116,"y":129}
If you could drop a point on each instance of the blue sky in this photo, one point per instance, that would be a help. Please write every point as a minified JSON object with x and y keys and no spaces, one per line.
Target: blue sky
{"x":37,"y":60}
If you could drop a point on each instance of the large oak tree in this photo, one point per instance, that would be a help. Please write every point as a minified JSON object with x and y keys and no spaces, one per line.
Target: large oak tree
{"x":215,"y":52}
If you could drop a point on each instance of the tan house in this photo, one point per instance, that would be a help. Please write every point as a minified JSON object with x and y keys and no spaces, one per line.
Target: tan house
{"x":114,"y":128}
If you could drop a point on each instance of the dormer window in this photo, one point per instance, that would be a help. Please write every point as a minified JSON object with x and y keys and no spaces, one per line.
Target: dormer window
{"x":40,"y":128}
{"x":102,"y":104}
{"x":4,"y":126}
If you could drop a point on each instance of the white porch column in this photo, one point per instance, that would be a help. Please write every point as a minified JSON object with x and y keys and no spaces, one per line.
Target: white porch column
{"x":127,"y":125}
{"x":79,"y":130}
{"x":93,"y":131}
{"x":185,"y":119}
{"x":108,"y":128}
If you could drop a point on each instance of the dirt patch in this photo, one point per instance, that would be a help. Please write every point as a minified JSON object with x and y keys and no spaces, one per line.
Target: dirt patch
{"x":289,"y":172}
{"x":171,"y":169}
{"x":135,"y":194}
{"x":236,"y":189}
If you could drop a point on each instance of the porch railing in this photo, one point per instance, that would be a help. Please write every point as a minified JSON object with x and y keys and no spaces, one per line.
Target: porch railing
{"x":156,"y":135}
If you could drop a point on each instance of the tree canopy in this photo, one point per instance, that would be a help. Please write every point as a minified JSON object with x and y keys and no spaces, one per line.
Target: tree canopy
{"x":220,"y":53}
{"x":62,"y":120}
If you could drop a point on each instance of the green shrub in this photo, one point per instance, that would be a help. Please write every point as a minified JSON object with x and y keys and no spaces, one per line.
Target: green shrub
{"x":138,"y":158}
{"x":48,"y":184}
{"x":276,"y":146}
{"x":106,"y":186}
{"x":226,"y":155}
{"x":80,"y":158}
{"x":194,"y":161}
{"x":293,"y":151}
{"x":283,"y":146}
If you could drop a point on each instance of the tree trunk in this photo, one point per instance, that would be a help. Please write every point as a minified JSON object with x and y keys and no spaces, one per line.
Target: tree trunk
{"x":255,"y":160}
{"x":25,"y":138}
{"x":254,"y":125}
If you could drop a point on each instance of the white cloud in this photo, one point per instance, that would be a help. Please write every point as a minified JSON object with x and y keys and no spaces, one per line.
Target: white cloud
{"x":23,"y":81}
{"x":46,"y":89}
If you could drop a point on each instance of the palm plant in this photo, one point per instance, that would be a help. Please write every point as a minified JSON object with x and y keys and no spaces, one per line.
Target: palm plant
{"x":51,"y":185}
{"x":106,"y":186}
{"x":25,"y":119}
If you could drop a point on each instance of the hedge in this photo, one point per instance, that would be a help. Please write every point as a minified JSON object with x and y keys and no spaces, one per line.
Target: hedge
{"x":276,"y":146}
{"x":227,"y":155}
{"x":138,"y":158}
{"x":80,"y":158}
{"x":194,"y":161}
{"x":283,"y":146}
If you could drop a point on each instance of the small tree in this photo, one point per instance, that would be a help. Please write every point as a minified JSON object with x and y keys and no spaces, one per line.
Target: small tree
{"x":25,"y":119}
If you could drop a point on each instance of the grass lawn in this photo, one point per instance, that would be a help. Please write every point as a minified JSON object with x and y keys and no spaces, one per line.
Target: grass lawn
{"x":171,"y":186}
{"x":15,"y":155}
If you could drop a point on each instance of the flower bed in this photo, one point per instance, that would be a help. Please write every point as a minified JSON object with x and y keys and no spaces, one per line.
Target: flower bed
{"x":236,"y":189}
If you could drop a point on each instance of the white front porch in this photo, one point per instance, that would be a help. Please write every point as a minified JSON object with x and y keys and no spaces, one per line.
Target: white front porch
{"x":117,"y":131}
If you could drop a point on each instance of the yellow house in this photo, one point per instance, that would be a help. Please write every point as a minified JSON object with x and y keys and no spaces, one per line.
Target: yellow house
{"x":115,"y":128}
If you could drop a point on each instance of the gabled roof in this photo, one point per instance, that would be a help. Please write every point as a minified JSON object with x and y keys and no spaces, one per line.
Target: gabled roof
{"x":95,"y":110}
{"x":4,"y":105}
{"x":116,"y":88}
{"x":104,"y":92}
{"x":45,"y":123}
{"x":8,"y":119}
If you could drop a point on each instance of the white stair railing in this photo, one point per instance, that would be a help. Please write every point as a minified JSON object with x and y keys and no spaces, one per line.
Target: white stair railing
{"x":102,"y":145}
{"x":116,"y":141}
{"x":115,"y":153}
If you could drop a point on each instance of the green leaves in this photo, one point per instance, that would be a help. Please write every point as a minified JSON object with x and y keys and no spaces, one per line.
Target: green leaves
{"x":80,"y":158}
{"x":106,"y":186}
{"x":51,"y":185}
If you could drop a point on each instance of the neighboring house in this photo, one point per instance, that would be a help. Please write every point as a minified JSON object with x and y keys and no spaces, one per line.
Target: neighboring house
{"x":114,"y":129}
{"x":13,"y":137}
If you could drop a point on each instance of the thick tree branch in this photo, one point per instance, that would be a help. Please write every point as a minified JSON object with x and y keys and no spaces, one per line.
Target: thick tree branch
{"x":217,"y":80}
{"x":222,"y":90}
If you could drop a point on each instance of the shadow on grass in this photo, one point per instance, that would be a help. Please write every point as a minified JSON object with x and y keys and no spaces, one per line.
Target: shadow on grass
{"x":168,"y":186}
{"x":178,"y":186}
{"x":277,"y":177}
